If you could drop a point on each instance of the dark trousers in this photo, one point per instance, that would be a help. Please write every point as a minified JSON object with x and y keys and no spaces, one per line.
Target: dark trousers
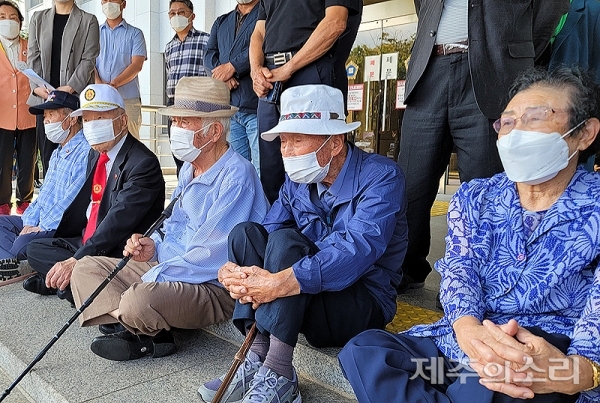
{"x":272,"y":173}
{"x":46,"y":146}
{"x":327,"y":319}
{"x":42,"y":254}
{"x":442,"y":114}
{"x":178,"y":162}
{"x":13,"y":245}
{"x":380,"y":365}
{"x":23,"y":141}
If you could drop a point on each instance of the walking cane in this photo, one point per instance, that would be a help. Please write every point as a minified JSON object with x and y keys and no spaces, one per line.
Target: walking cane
{"x":163,"y":216}
{"x":239,"y":358}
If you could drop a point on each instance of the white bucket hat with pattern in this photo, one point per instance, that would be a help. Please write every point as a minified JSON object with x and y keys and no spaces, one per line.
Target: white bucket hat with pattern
{"x":311,"y":109}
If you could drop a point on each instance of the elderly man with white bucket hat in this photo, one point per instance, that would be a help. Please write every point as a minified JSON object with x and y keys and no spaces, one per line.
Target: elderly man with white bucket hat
{"x":326,"y":259}
{"x":171,"y":280}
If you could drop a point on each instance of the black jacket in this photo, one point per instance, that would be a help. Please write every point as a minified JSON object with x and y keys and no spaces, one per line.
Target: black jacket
{"x":133,"y":199}
{"x":505,"y":37}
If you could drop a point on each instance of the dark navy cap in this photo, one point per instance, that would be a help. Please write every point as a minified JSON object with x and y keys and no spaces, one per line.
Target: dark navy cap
{"x":56,"y":100}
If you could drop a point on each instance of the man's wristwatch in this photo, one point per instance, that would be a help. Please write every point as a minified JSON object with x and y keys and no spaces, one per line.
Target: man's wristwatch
{"x":596,"y":369}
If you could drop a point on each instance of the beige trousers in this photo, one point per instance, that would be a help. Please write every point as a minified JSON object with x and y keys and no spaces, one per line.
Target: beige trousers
{"x":146,"y":307}
{"x":133,"y":108}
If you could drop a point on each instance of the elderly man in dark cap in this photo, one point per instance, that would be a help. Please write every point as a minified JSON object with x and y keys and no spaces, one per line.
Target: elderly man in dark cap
{"x":171,"y":280}
{"x":64,"y":179}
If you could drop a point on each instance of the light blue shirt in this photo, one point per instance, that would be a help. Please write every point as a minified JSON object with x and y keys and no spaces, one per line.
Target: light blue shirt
{"x":117,"y":47}
{"x":64,"y":179}
{"x":493,"y":270}
{"x":195,"y":236}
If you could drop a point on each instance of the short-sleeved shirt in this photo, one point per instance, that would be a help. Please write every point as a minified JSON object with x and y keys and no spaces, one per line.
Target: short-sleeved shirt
{"x":117,"y":47}
{"x":288,"y":27}
{"x":185,"y":59}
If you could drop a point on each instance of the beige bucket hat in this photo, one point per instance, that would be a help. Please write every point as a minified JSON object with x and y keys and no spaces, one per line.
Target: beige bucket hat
{"x":200,"y":97}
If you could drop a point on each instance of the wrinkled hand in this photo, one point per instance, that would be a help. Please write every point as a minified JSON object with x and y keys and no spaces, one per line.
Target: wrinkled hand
{"x":42,"y":92}
{"x":232,"y":83}
{"x":544,"y":364}
{"x":223,"y":72}
{"x":28,"y":229}
{"x":282,"y":73}
{"x":66,"y":88}
{"x":141,"y":249}
{"x":60,"y":274}
{"x":261,"y":77}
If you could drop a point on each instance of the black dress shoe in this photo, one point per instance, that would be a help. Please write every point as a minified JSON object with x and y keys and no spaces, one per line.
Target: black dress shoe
{"x":407,"y":283}
{"x":66,"y":294}
{"x":111,"y":328}
{"x":124,"y":346}
{"x":37,"y":285}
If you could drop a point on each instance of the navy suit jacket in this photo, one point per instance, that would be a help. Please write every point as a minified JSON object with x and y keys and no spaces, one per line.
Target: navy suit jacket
{"x":224,"y":46}
{"x":578,"y":42}
{"x":133,"y":199}
{"x":505,"y":36}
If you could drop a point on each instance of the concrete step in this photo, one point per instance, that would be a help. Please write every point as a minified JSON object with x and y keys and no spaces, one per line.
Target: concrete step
{"x":70,"y":372}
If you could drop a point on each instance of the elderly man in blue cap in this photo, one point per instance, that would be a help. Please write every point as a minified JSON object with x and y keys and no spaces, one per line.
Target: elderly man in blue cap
{"x":64,"y":179}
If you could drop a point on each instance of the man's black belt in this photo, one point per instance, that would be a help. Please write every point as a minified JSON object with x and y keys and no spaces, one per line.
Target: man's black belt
{"x":279,"y":59}
{"x":450,"y":48}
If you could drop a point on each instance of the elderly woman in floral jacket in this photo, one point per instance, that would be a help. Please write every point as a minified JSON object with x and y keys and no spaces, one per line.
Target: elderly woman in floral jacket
{"x":520,"y":285}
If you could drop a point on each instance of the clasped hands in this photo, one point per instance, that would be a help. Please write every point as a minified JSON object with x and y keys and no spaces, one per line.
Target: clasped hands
{"x":511,"y":360}
{"x":256,"y":286}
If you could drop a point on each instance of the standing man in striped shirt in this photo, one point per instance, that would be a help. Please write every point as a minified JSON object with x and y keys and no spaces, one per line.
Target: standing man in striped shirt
{"x":184,"y":54}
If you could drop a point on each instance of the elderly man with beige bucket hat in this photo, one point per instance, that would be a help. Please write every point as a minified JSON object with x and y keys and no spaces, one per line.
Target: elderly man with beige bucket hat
{"x":171,"y":280}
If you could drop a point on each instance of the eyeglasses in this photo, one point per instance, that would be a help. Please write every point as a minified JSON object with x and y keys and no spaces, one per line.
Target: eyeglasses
{"x":533,"y":118}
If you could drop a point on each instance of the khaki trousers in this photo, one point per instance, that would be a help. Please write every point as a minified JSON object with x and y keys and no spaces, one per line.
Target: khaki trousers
{"x":133,"y":108}
{"x":146,"y":307}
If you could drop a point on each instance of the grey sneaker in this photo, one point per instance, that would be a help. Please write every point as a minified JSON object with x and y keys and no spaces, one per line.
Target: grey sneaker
{"x":240,"y":382}
{"x":268,"y":387}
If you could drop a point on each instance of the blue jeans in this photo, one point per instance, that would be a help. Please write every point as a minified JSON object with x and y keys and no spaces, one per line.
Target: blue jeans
{"x":13,"y":245}
{"x":243,"y":137}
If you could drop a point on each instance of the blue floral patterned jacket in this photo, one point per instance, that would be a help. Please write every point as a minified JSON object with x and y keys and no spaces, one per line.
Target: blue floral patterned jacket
{"x":491,"y":270}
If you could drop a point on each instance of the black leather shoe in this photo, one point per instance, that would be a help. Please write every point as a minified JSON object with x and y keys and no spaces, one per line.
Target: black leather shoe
{"x":111,"y":328}
{"x":67,"y":295}
{"x":124,"y":346}
{"x":407,"y":283}
{"x":37,"y":285}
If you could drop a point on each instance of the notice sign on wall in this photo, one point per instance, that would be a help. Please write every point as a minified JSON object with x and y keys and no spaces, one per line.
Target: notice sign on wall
{"x":400,"y":85}
{"x":372,"y":68}
{"x":355,"y":97}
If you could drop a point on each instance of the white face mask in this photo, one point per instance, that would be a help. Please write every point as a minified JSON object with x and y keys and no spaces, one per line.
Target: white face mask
{"x":305,"y":168}
{"x":111,"y":10}
{"x":100,"y":131}
{"x":55,"y":132}
{"x":244,"y":1}
{"x":9,"y":29}
{"x":182,"y":143}
{"x":533,"y":157}
{"x":179,"y":22}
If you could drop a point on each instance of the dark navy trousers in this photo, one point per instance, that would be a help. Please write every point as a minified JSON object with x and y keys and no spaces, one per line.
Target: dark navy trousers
{"x":327,"y":319}
{"x":380,"y":365}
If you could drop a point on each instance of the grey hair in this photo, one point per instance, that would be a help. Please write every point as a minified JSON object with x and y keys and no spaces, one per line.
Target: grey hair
{"x":225,"y":122}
